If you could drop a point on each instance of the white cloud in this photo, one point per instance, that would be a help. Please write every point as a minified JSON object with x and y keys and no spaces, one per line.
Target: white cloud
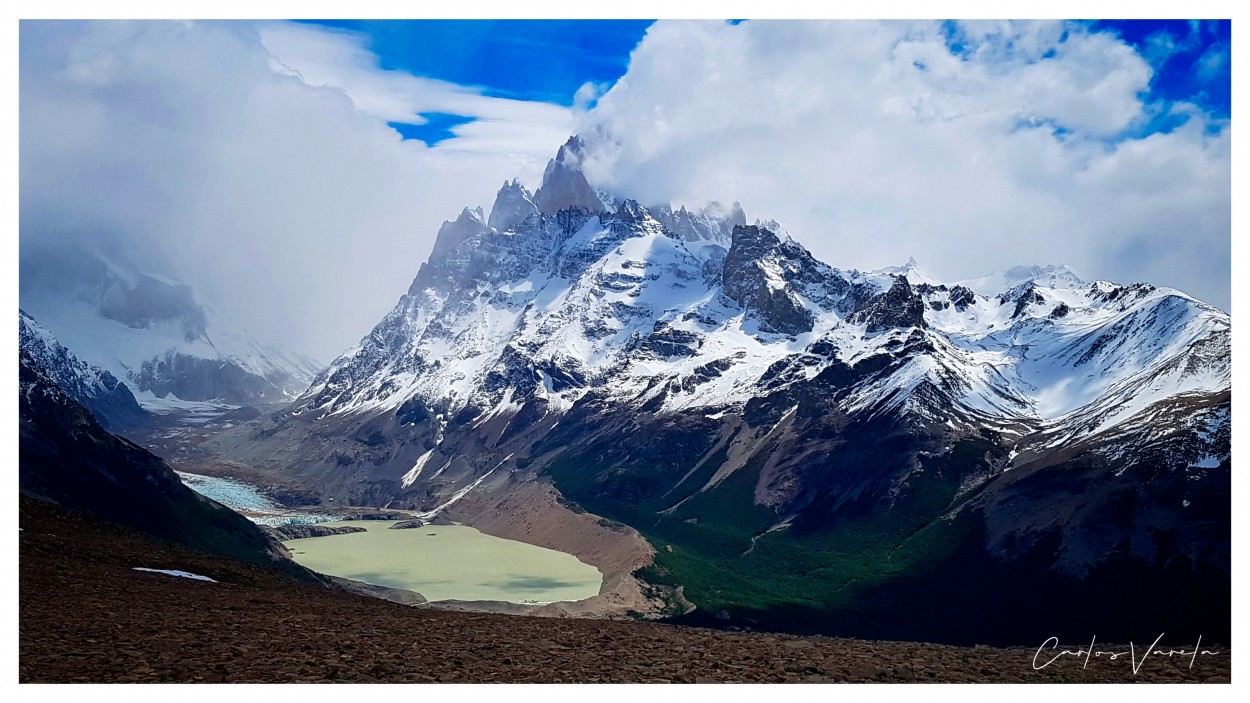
{"x":1162,"y":45}
{"x":342,"y":60}
{"x":300,"y":214}
{"x":1212,"y":62}
{"x":288,"y":200}
{"x":873,"y":141}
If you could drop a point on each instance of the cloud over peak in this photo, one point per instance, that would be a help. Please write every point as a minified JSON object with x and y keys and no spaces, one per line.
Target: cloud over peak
{"x":257,"y":158}
{"x":973,"y":146}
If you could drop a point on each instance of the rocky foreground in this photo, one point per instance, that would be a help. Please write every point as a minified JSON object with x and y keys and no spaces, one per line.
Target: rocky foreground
{"x":87,"y":616}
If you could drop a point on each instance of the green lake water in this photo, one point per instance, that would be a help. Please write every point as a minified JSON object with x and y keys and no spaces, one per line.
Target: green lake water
{"x":448,"y":562}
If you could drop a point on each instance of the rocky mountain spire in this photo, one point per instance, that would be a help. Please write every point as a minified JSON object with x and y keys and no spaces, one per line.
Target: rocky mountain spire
{"x":512,"y":205}
{"x":564,"y":184}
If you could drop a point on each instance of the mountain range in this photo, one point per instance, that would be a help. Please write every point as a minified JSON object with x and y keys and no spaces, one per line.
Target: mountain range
{"x":803,"y":447}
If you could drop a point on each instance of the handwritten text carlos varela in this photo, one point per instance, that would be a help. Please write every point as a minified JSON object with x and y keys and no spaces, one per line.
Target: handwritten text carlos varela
{"x":1049,"y":653}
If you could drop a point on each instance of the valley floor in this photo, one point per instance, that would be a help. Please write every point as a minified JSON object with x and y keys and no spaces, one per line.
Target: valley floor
{"x":87,"y":616}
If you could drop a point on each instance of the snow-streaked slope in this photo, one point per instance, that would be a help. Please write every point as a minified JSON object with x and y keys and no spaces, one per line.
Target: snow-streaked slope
{"x":1064,"y":348}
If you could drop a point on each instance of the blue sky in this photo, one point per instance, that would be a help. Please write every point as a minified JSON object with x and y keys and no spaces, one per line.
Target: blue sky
{"x":541,"y":60}
{"x":1190,"y":58}
{"x":549,"y":60}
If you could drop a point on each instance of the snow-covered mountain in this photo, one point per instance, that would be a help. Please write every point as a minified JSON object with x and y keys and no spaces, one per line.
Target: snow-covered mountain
{"x":151,"y":332}
{"x":99,"y":391}
{"x":689,"y":311}
{"x":660,"y":365}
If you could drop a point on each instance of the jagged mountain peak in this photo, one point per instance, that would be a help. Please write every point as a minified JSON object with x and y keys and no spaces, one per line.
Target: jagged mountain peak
{"x":648,"y":299}
{"x":564,"y":185}
{"x":772,"y":226}
{"x":674,"y":362}
{"x":713,"y":223}
{"x":513,"y":205}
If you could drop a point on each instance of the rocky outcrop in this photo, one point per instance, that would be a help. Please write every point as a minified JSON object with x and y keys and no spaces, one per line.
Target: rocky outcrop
{"x":513,"y":205}
{"x":1024,"y":296}
{"x":755,"y":277}
{"x":898,"y":307}
{"x":564,"y":185}
{"x":289,"y":532}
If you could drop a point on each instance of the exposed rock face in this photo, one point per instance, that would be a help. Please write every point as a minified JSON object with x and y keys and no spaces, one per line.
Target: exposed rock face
{"x":99,"y":391}
{"x":513,"y":205}
{"x":898,"y":307}
{"x":961,"y":298}
{"x":564,"y":185}
{"x":754,"y":277}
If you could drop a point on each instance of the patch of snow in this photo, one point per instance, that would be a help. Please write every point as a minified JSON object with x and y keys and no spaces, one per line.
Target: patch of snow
{"x":415,"y":471}
{"x":176,"y":572}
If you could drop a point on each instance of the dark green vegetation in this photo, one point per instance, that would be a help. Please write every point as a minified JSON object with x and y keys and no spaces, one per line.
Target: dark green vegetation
{"x":900,"y":565}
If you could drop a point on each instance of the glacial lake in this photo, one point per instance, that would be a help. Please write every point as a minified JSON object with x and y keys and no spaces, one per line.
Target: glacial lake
{"x":448,"y":562}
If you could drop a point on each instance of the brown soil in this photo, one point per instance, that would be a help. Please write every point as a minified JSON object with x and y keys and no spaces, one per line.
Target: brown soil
{"x":86,"y":616}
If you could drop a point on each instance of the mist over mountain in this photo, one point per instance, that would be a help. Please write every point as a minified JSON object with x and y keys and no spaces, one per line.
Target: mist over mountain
{"x":149,"y":331}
